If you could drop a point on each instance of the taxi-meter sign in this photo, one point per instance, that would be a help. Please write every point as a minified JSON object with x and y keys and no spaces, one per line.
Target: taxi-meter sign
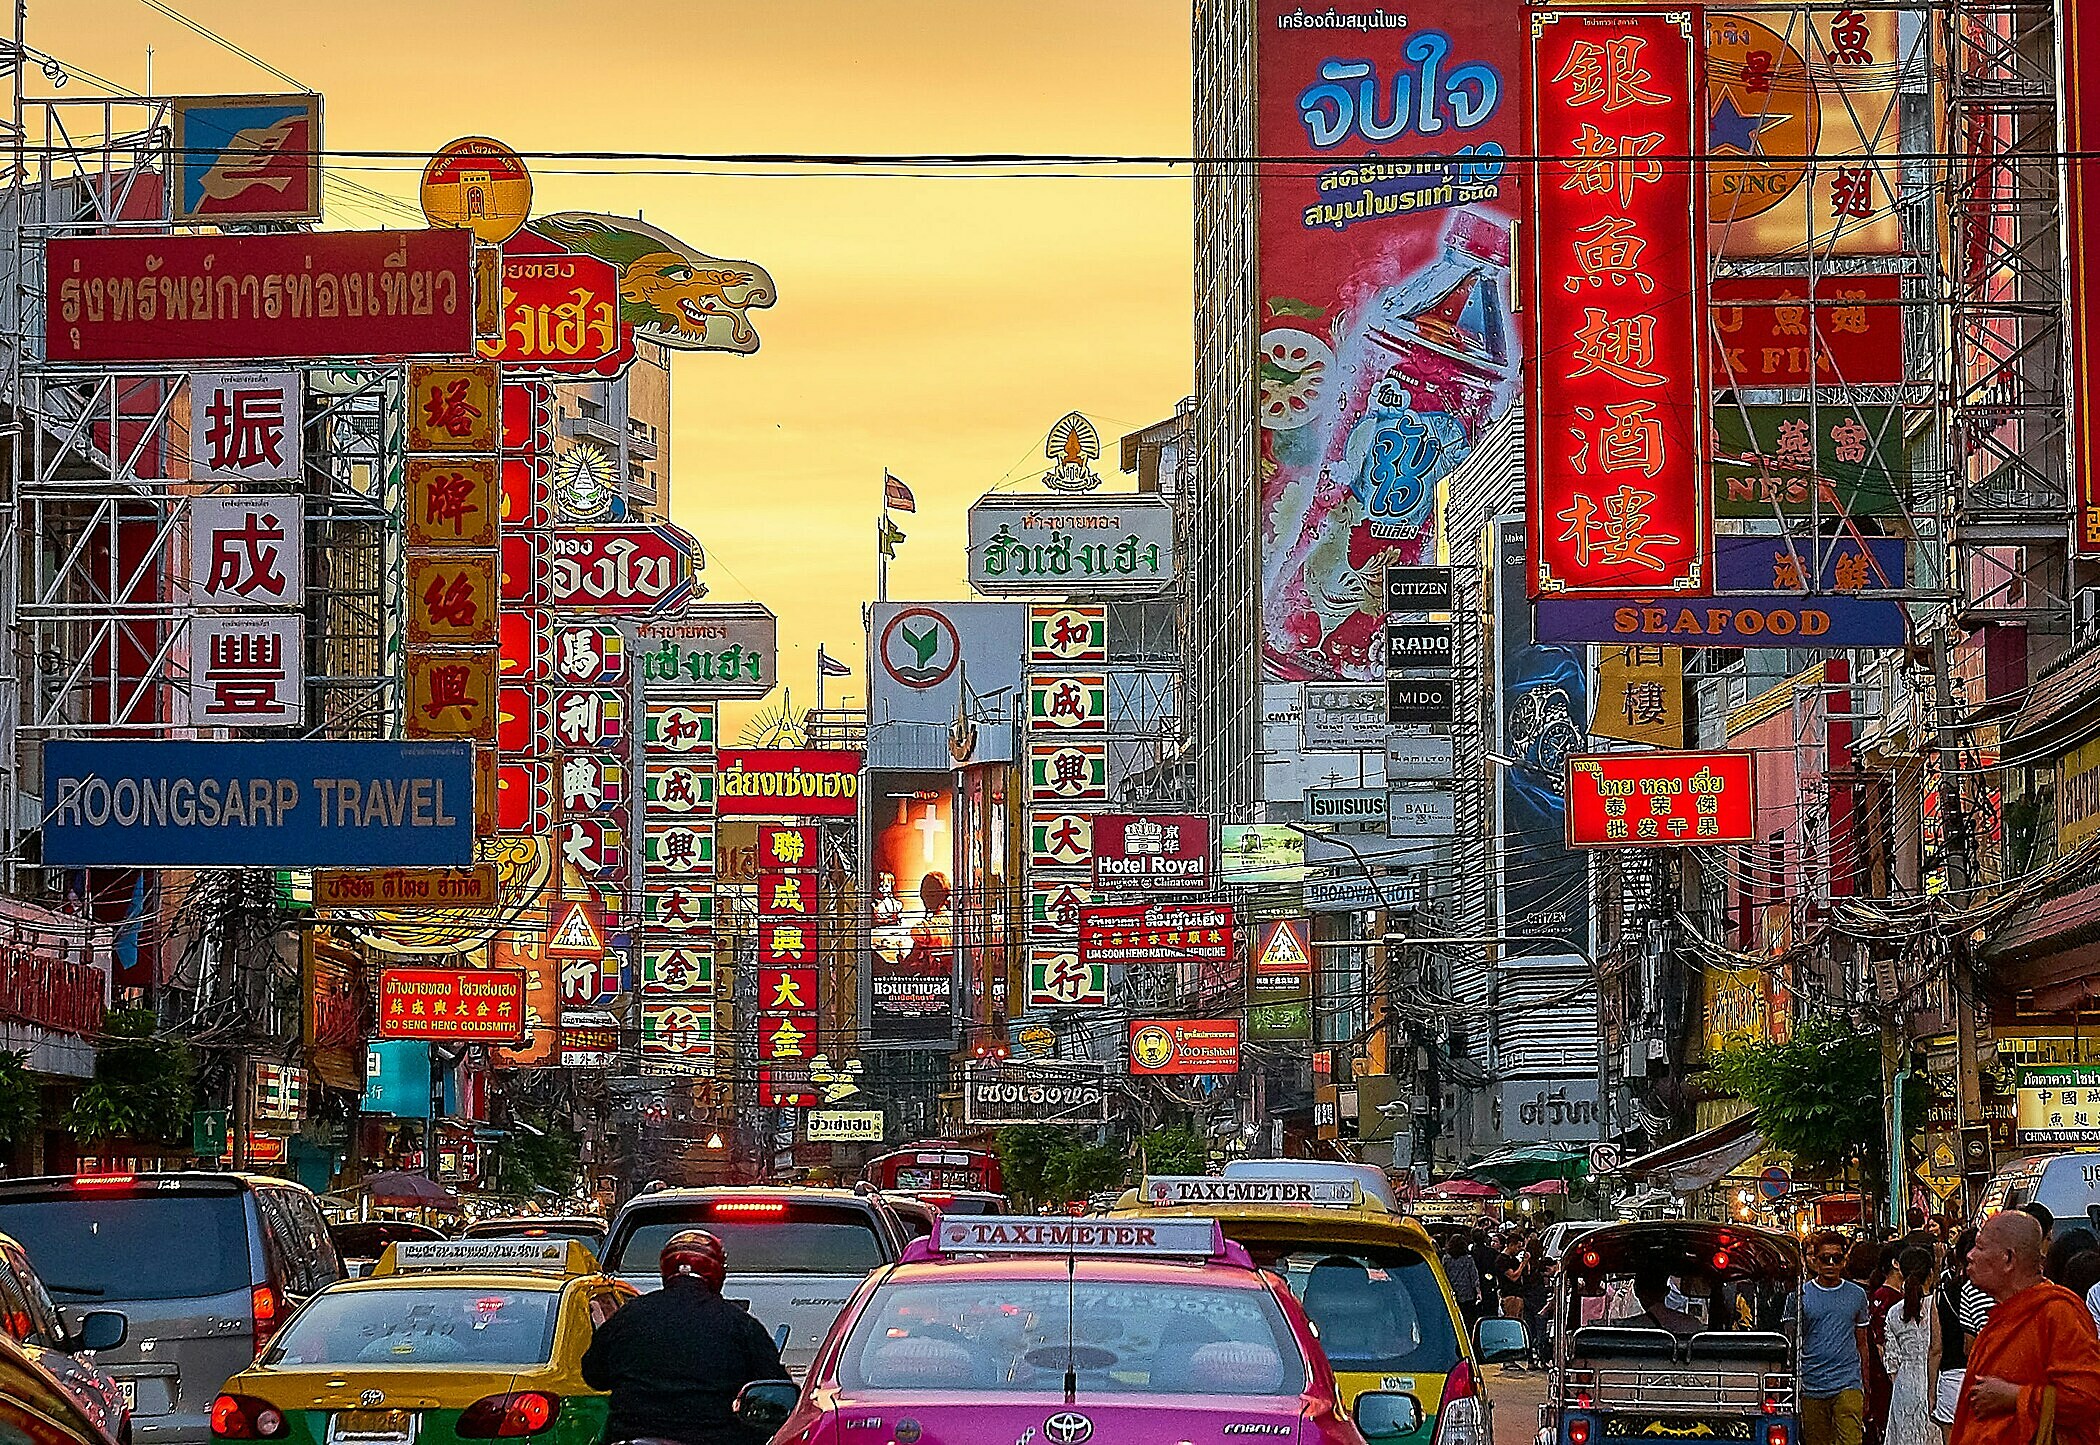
{"x":1207,"y":1189}
{"x":499,"y":1254}
{"x":1129,"y":1238}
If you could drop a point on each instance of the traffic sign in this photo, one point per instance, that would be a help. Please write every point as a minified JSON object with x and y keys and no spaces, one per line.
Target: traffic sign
{"x":1774,"y":1183}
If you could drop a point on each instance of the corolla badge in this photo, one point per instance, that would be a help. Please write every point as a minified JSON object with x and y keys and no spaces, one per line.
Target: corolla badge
{"x":1067,"y":1427}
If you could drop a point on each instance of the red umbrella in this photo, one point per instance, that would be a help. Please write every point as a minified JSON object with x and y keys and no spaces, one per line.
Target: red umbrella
{"x":404,"y":1190}
{"x":1464,"y":1189}
{"x":1546,"y":1186}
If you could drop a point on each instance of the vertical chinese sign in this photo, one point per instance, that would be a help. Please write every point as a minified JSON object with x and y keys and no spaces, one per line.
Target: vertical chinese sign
{"x":1067,"y":787}
{"x":676,"y":933}
{"x":1615,"y":388}
{"x":789,"y":951}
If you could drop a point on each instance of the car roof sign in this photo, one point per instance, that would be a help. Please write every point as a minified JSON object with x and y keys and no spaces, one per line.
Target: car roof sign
{"x":1095,"y":1238}
{"x":1208,"y":1189}
{"x":494,"y":1256}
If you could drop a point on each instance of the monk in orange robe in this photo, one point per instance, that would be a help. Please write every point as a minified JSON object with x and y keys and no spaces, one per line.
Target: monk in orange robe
{"x":2040,"y":1337}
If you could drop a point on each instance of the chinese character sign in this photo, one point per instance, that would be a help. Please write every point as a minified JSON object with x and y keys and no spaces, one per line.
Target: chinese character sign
{"x":1614,"y":375}
{"x":789,"y":959}
{"x":247,"y":671}
{"x":245,"y":426}
{"x":1642,"y":800}
{"x":248,"y":551}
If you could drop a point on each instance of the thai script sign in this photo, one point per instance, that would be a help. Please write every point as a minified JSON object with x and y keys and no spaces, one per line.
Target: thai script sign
{"x":795,"y":782}
{"x":1772,"y":609}
{"x":40,"y":988}
{"x":712,"y":651}
{"x":1347,"y":810}
{"x":1343,"y":717}
{"x":304,"y":804}
{"x":405,"y":887}
{"x":619,"y":569}
{"x":245,"y":158}
{"x":1170,"y":933}
{"x":1086,"y":545}
{"x":2078,"y":796}
{"x":1614,"y":395}
{"x":844,"y":1126}
{"x":1184,"y":1046}
{"x":1627,"y":800}
{"x":1152,"y":852}
{"x":1034,"y":1094}
{"x":259,"y":297}
{"x":482,"y":1004}
{"x":561,"y":313}
{"x":2056,"y":1105}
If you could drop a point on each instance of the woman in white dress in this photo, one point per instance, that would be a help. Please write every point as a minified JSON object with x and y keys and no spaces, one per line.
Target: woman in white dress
{"x":1910,"y":1340}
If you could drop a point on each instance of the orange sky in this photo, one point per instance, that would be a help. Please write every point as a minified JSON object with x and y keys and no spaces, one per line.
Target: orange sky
{"x":936,"y":326}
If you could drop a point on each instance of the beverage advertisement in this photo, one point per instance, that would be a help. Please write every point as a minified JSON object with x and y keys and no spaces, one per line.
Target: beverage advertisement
{"x":1386,"y":342}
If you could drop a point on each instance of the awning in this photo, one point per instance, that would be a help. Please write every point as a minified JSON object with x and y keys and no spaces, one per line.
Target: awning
{"x":1692,"y":1163}
{"x":1463,"y":1189}
{"x":1529,"y":1163}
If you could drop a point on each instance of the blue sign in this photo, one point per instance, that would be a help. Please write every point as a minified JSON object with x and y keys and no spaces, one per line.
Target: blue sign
{"x":279,"y":804}
{"x":397,"y":1078}
{"x":1762,"y":601}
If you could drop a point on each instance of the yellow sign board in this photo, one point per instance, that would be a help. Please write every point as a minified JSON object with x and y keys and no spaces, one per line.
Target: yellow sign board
{"x":405,"y":887}
{"x":451,"y":695}
{"x":479,"y":184}
{"x":1738,"y":1007}
{"x":2078,"y":796}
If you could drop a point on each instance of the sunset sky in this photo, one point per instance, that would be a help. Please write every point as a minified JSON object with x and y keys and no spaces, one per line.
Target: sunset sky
{"x":936,"y":326}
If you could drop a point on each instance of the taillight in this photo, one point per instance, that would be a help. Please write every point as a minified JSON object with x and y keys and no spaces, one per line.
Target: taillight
{"x":1775,"y":1434}
{"x":1578,"y":1431}
{"x":1459,"y":1419}
{"x":263,"y":1304}
{"x":748,"y":1206}
{"x":241,"y":1417}
{"x":104,"y":1181}
{"x":492,"y":1417}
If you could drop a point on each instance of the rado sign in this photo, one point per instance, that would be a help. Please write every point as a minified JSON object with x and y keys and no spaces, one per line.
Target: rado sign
{"x":1034,"y":1094}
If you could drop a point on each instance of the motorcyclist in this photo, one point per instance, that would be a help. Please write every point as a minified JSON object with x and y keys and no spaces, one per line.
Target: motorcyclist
{"x":674,"y":1361}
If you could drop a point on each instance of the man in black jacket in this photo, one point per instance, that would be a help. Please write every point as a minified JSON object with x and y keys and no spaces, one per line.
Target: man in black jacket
{"x":673,"y":1361}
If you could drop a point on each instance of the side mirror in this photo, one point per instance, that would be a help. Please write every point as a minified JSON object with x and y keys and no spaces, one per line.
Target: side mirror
{"x":1387,"y":1415}
{"x":1496,"y":1338}
{"x":764,"y":1405}
{"x":102,"y":1330}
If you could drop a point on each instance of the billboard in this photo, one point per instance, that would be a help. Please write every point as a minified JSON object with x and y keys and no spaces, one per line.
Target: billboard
{"x":1386,"y":341}
{"x":1190,"y":934}
{"x":247,"y":426}
{"x":1645,"y":800}
{"x":2081,"y":204}
{"x":1159,"y":852}
{"x":485,"y":1005}
{"x":1542,"y":706}
{"x":787,"y":782}
{"x":911,"y":924}
{"x":1343,"y":717}
{"x":245,"y":158}
{"x":1254,"y":853}
{"x":1184,"y":1046}
{"x":247,"y":551}
{"x":1034,"y":1094}
{"x":268,"y":297}
{"x":1791,"y":461}
{"x":1279,"y":1006}
{"x":1773,"y":607}
{"x":1092,"y":545}
{"x":1614,"y":396}
{"x":1775,"y":331}
{"x":275,"y":804}
{"x":932,"y":663}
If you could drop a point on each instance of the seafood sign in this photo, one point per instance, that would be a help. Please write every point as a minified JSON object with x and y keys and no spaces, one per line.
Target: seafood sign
{"x":1386,"y":341}
{"x":259,"y":298}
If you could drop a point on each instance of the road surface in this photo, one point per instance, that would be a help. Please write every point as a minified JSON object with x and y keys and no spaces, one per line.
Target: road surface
{"x":1515,"y":1396}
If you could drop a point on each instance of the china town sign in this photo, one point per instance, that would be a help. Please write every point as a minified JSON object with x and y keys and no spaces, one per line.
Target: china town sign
{"x":622,"y":569}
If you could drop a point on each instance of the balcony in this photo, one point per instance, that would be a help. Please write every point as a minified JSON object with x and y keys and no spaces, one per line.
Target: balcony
{"x":603,"y":430}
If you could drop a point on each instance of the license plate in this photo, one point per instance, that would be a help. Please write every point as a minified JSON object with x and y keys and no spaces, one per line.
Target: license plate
{"x":128,"y":1392}
{"x":374,"y":1427}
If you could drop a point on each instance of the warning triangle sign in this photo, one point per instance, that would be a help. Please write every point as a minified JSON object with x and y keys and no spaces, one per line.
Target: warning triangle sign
{"x":1283,"y":953}
{"x":576,"y":936}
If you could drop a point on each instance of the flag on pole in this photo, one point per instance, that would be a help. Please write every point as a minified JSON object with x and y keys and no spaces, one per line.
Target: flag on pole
{"x":829,"y":666}
{"x":896,"y":496}
{"x":887,"y":535}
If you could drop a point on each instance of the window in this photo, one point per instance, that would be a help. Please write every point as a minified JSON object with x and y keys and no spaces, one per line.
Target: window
{"x":93,"y":1247}
{"x":1377,"y":1309}
{"x":436,"y":1326}
{"x":800,"y":1239}
{"x":1018,"y":1336}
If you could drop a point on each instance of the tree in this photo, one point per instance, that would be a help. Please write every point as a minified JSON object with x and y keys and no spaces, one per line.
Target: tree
{"x":1045,"y":1163}
{"x":1176,"y":1149}
{"x":21,"y":1099}
{"x":144,"y":1086}
{"x":1820,"y":1095}
{"x":543,"y":1156}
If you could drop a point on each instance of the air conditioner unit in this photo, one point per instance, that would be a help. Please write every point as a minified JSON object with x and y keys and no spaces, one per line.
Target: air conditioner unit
{"x":2086,"y":612}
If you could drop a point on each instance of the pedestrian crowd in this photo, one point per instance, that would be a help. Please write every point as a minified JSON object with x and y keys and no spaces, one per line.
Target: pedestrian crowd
{"x":1949,"y":1335}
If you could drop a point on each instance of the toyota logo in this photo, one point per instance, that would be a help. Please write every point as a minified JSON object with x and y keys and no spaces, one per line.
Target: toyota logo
{"x":1068,"y":1428}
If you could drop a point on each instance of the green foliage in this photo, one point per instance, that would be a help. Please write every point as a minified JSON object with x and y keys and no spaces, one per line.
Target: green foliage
{"x":1819,"y":1095}
{"x":21,"y":1099}
{"x":145,"y":1087}
{"x":548,"y":1160}
{"x":1177,"y":1149}
{"x":1042,"y":1163}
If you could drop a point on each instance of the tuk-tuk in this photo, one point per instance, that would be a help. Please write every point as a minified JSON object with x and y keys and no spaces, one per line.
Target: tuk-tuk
{"x":1675,"y":1329}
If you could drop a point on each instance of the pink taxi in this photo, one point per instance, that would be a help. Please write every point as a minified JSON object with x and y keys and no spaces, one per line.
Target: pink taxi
{"x":1046,"y":1331}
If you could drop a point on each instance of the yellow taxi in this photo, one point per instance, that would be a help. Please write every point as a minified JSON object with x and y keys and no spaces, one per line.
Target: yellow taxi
{"x":1368,"y":1278}
{"x":444,"y":1341}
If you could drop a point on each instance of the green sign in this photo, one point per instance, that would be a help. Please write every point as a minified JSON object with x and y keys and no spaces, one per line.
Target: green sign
{"x":1774,"y":460}
{"x":210,"y":1133}
{"x":1275,"y":1023}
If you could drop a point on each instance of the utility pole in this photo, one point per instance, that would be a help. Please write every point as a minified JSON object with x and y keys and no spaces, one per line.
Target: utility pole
{"x":1954,"y":857}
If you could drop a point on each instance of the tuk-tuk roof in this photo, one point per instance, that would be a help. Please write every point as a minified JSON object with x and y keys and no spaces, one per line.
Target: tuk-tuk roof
{"x":1749,"y":1251}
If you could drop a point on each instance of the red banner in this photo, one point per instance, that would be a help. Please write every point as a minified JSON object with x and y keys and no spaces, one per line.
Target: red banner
{"x":1614,"y":394}
{"x":2081,"y":39}
{"x":1184,"y":1046}
{"x":787,"y":782}
{"x":1159,"y":933}
{"x":1661,"y":800}
{"x":318,"y":295}
{"x":486,"y":1004}
{"x":1767,"y":334}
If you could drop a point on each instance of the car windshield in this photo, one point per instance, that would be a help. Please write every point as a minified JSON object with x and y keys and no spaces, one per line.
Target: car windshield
{"x":1018,"y":1336}
{"x":433,"y":1325}
{"x":594,"y":1236}
{"x":115,"y":1246}
{"x":1377,"y":1309}
{"x":802,"y":1239}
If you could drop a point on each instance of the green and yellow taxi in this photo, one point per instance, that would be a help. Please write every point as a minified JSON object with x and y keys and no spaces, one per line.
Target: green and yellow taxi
{"x":1368,"y":1278}
{"x":444,"y":1341}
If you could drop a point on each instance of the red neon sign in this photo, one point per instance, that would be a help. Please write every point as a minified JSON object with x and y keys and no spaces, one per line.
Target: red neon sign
{"x":1661,"y":800}
{"x":1614,"y":388}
